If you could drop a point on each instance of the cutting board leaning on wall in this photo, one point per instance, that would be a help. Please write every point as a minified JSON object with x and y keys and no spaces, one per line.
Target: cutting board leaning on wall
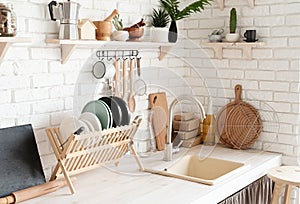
{"x":158,"y":103}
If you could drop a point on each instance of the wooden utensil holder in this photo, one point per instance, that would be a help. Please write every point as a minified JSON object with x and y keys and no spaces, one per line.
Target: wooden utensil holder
{"x":84,"y":152}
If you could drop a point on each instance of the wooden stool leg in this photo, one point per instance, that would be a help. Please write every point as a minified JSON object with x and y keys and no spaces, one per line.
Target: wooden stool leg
{"x":287,"y":194}
{"x":298,"y":195}
{"x":276,"y":193}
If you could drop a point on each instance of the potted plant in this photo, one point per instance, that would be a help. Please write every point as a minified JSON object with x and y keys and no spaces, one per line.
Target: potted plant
{"x":232,"y":36}
{"x":172,"y":7}
{"x":159,"y":30}
{"x":119,"y":34}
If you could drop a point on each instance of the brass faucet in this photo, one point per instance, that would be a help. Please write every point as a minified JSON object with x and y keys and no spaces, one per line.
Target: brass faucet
{"x":169,"y":145}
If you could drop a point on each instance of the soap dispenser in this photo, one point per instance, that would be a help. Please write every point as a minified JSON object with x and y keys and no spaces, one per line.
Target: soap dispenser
{"x":209,"y":126}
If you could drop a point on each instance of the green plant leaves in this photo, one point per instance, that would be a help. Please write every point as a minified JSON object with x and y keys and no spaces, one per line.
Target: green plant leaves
{"x":160,"y":18}
{"x":172,"y":7}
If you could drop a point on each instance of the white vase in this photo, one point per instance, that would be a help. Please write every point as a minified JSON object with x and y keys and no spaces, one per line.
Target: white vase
{"x":159,"y":34}
{"x":120,"y":35}
{"x":232,"y":37}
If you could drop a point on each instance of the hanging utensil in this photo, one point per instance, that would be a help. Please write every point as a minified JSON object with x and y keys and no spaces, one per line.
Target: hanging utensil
{"x":131,"y":99}
{"x":140,"y":87}
{"x":99,"y":70}
{"x":116,"y":64}
{"x":124,"y":78}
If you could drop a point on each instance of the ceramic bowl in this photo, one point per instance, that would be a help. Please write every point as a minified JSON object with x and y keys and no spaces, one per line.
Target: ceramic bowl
{"x":215,"y":38}
{"x":120,"y":35}
{"x":135,"y":33}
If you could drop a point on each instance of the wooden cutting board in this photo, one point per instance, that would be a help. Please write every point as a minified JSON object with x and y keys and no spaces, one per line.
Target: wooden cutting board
{"x":158,"y":103}
{"x":20,"y":165}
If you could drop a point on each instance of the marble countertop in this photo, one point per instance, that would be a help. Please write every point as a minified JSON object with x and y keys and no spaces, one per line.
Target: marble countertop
{"x":125,"y":184}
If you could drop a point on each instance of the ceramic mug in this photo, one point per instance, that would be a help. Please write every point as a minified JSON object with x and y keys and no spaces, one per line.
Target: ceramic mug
{"x":250,"y":35}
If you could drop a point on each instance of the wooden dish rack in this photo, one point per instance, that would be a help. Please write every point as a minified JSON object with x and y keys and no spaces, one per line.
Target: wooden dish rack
{"x":89,"y":151}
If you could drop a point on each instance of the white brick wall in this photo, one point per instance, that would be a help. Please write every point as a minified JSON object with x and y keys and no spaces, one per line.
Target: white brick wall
{"x":35,"y":88}
{"x":272,"y":77}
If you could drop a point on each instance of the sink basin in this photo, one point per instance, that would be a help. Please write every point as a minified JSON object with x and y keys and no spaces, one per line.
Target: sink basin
{"x":207,"y":171}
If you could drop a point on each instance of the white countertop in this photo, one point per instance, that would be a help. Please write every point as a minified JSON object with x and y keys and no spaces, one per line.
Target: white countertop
{"x":125,"y":184}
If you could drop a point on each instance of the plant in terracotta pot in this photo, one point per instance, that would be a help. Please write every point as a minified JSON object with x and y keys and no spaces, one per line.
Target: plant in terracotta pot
{"x":160,"y":20}
{"x":172,"y":7}
{"x":232,"y":36}
{"x":119,"y":34}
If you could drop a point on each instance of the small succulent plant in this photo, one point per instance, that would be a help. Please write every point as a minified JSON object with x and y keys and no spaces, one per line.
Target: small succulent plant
{"x":160,"y":18}
{"x":117,"y":22}
{"x":233,"y":20}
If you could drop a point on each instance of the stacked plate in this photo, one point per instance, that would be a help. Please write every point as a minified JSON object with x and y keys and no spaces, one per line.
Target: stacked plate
{"x":111,"y":111}
{"x":88,"y":121}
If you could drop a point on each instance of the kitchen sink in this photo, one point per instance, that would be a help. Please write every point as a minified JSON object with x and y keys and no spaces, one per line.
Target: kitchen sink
{"x":206,"y":171}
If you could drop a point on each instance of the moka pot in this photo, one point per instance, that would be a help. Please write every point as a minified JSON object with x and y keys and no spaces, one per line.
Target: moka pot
{"x":68,"y":16}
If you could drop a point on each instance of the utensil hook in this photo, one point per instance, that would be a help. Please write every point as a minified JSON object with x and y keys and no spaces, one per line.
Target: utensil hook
{"x":107,"y":56}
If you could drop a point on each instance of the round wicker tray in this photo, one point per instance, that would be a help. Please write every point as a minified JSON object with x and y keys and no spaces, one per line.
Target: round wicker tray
{"x":238,"y":123}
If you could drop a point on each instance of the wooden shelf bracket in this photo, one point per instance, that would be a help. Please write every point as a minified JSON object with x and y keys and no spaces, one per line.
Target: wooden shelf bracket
{"x":66,"y":52}
{"x":221,"y":4}
{"x":246,"y":47}
{"x":3,"y":49}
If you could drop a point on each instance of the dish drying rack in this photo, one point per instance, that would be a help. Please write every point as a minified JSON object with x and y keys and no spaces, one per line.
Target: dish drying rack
{"x":88,"y":151}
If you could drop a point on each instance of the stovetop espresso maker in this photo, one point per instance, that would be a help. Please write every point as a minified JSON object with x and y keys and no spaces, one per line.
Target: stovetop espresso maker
{"x":68,"y":16}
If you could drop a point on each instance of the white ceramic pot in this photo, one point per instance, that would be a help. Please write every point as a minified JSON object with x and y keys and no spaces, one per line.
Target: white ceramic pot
{"x":120,"y":35}
{"x":232,"y":37}
{"x":159,"y":34}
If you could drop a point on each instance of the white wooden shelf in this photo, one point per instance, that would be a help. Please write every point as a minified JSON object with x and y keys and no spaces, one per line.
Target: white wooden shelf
{"x":221,"y":3}
{"x":68,"y":46}
{"x":5,"y":43}
{"x":245,"y":46}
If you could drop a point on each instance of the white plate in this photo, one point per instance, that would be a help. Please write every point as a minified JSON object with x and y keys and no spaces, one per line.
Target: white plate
{"x":86,"y":127}
{"x":93,"y":119}
{"x":89,"y":125}
{"x":68,"y":126}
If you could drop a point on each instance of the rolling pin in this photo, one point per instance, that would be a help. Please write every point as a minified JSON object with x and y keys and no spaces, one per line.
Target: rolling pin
{"x":112,"y":15}
{"x":35,"y":191}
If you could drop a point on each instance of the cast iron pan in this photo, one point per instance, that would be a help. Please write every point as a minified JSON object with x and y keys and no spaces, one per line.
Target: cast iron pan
{"x":115,"y":109}
{"x":124,"y":108}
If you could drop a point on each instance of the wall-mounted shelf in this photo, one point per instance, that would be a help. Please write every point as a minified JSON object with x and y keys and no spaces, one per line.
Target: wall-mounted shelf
{"x":68,"y":46}
{"x":5,"y":42}
{"x":245,"y":46}
{"x":221,"y":3}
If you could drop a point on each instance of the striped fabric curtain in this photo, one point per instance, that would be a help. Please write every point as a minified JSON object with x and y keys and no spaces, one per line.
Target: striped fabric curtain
{"x":259,"y":192}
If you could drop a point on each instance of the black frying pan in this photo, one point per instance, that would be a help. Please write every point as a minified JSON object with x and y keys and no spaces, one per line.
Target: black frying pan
{"x":124,"y":108}
{"x":115,"y":110}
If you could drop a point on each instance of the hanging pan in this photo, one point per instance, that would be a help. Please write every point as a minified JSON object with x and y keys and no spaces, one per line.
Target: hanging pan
{"x":238,"y":123}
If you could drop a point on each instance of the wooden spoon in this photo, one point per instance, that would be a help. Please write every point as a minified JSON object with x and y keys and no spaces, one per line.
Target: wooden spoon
{"x":124,"y":78}
{"x":131,"y":99}
{"x":116,"y":64}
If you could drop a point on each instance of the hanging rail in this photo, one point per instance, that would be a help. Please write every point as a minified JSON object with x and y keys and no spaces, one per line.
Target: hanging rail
{"x":116,"y":53}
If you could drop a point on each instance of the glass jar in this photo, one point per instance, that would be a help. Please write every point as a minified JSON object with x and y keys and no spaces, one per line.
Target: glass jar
{"x":8,"y":21}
